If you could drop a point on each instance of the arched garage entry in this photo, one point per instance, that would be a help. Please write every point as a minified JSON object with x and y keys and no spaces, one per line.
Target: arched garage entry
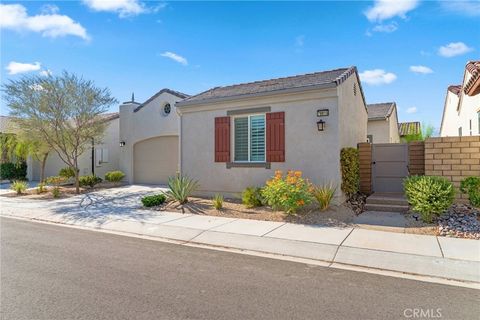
{"x":155,"y":159}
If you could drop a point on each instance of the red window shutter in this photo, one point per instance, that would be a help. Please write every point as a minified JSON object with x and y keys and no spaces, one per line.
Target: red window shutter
{"x":222,"y":139}
{"x":276,"y":137}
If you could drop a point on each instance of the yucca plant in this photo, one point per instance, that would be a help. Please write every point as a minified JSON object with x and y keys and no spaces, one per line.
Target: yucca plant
{"x":324,"y":195}
{"x":181,"y":187}
{"x":19,"y":186}
{"x":217,"y":201}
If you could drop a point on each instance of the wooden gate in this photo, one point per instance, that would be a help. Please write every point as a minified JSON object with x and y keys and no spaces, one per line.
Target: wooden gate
{"x":389,"y":166}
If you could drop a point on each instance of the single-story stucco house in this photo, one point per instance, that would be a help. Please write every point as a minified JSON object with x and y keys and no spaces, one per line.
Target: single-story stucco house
{"x":99,"y":158}
{"x":461,"y":112}
{"x":383,"y":123}
{"x":236,"y":136}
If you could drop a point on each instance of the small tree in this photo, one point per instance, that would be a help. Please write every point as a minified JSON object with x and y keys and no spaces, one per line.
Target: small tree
{"x":426,"y":132}
{"x":63,"y":111}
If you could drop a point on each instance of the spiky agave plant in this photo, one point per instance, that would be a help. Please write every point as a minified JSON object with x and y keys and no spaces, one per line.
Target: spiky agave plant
{"x":324,"y":195}
{"x":180,"y":188}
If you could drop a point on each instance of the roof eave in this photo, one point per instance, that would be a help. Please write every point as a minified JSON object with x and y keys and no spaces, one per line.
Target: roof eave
{"x":187,"y":103}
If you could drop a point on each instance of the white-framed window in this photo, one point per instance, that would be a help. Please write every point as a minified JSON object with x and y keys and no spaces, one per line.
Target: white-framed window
{"x":249,"y":138}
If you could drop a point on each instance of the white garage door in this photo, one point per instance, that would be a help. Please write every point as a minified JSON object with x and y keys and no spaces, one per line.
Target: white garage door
{"x":155,"y":159}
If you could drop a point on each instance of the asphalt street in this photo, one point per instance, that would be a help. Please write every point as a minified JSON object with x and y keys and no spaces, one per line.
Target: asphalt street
{"x":54,"y":272}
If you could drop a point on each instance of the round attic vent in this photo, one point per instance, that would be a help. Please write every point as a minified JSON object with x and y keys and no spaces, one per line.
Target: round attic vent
{"x":167,"y":109}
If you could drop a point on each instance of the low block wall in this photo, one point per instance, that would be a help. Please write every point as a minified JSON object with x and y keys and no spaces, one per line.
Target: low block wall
{"x":454,"y":158}
{"x":365,"y":154}
{"x":416,"y":157}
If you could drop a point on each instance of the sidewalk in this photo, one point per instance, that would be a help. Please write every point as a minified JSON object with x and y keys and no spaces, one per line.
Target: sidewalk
{"x":438,"y":257}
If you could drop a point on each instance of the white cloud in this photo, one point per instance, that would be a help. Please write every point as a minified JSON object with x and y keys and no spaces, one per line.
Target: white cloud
{"x":15,"y":17}
{"x":386,"y":9}
{"x":175,"y":57}
{"x":388,"y":28}
{"x":50,"y":9}
{"x":465,"y":7}
{"x":19,"y":67}
{"x":124,"y":8}
{"x":377,"y":77}
{"x":421,"y":69}
{"x":454,"y":49}
{"x":412,"y":110}
{"x":45,"y":73}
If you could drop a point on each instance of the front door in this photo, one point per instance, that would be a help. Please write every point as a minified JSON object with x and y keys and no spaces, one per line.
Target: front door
{"x":389,"y":167}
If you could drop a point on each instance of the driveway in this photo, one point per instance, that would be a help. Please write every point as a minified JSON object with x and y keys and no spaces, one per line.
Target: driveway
{"x":98,"y":206}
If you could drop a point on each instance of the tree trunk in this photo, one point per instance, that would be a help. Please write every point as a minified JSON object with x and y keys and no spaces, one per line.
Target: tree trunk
{"x":42,"y":170}
{"x":77,"y":181}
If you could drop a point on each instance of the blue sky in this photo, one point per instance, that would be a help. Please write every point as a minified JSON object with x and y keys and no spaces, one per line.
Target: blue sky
{"x":406,"y":51}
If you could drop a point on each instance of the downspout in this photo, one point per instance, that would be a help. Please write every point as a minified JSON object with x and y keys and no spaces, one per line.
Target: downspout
{"x":93,"y":157}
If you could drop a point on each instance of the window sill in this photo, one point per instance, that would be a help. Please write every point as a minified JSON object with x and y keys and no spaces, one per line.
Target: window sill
{"x":265,"y":165}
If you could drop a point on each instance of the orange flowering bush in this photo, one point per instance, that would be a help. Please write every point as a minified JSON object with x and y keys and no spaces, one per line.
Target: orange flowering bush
{"x":287,"y":192}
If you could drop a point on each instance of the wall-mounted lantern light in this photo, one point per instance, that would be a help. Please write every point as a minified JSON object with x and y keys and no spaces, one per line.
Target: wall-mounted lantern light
{"x":122,"y":143}
{"x":321,"y":125}
{"x":322,"y":113}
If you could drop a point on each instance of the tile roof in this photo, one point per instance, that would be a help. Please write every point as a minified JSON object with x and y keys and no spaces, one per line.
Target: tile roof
{"x":472,"y":87}
{"x":110,"y":116}
{"x":377,"y":111}
{"x":311,"y":80}
{"x":406,"y":128}
{"x":455,"y":89}
{"x":172,"y":92}
{"x":5,"y":124}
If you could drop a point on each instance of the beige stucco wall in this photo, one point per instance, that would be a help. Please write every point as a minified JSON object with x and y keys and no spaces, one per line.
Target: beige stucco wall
{"x":306,"y":149}
{"x":146,"y":123}
{"x":466,"y":113}
{"x":109,"y":141}
{"x":380,"y":130}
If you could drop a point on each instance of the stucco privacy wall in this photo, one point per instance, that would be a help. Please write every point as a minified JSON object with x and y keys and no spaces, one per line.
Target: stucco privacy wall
{"x":450,"y":119}
{"x":316,"y":153}
{"x":148,"y":122}
{"x":109,"y":141}
{"x":454,"y":158}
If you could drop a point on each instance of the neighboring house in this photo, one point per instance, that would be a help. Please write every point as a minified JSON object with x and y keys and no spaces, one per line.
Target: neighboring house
{"x":383,"y":123}
{"x":409,"y":128}
{"x":103,"y":157}
{"x":236,"y":136}
{"x":461,"y":112}
{"x":149,"y":135}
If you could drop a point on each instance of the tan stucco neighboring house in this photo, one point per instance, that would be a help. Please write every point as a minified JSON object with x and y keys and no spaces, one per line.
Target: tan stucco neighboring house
{"x":236,"y":136}
{"x":103,"y":157}
{"x":149,"y":138}
{"x":461,"y":112}
{"x":383,"y":123}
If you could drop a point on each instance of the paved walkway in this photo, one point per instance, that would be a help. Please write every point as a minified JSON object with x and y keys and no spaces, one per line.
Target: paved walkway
{"x":118,"y":210}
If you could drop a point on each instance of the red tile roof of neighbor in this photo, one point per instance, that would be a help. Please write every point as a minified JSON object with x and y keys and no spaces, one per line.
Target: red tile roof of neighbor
{"x":472,"y":87}
{"x":455,"y":88}
{"x":406,"y":128}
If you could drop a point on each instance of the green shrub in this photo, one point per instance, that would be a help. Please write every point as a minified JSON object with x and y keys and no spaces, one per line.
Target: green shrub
{"x":56,"y":192}
{"x":41,"y":188}
{"x":471,"y":187}
{"x":217,"y":201}
{"x":181,"y":187}
{"x":55,"y":180}
{"x":252,"y":197}
{"x":350,"y":166}
{"x":90,"y":181}
{"x":13,"y":171}
{"x":19,"y":186}
{"x":67,"y":172}
{"x":324,"y":195}
{"x":114,"y":176}
{"x":287,"y":193}
{"x":152,"y":201}
{"x":429,"y":195}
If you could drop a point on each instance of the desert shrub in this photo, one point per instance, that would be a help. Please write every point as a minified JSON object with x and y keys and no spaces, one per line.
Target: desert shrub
{"x":41,"y":188}
{"x":56,"y":192}
{"x":56,"y":181}
{"x":429,"y":195}
{"x":67,"y":172}
{"x":324,"y":195}
{"x":252,"y":197}
{"x":90,"y":181}
{"x":287,"y":193}
{"x":350,"y":166}
{"x":180,"y":188}
{"x":154,"y":200}
{"x":13,"y":171}
{"x":217,"y":201}
{"x":471,"y":187}
{"x":114,"y":176}
{"x":19,"y":186}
